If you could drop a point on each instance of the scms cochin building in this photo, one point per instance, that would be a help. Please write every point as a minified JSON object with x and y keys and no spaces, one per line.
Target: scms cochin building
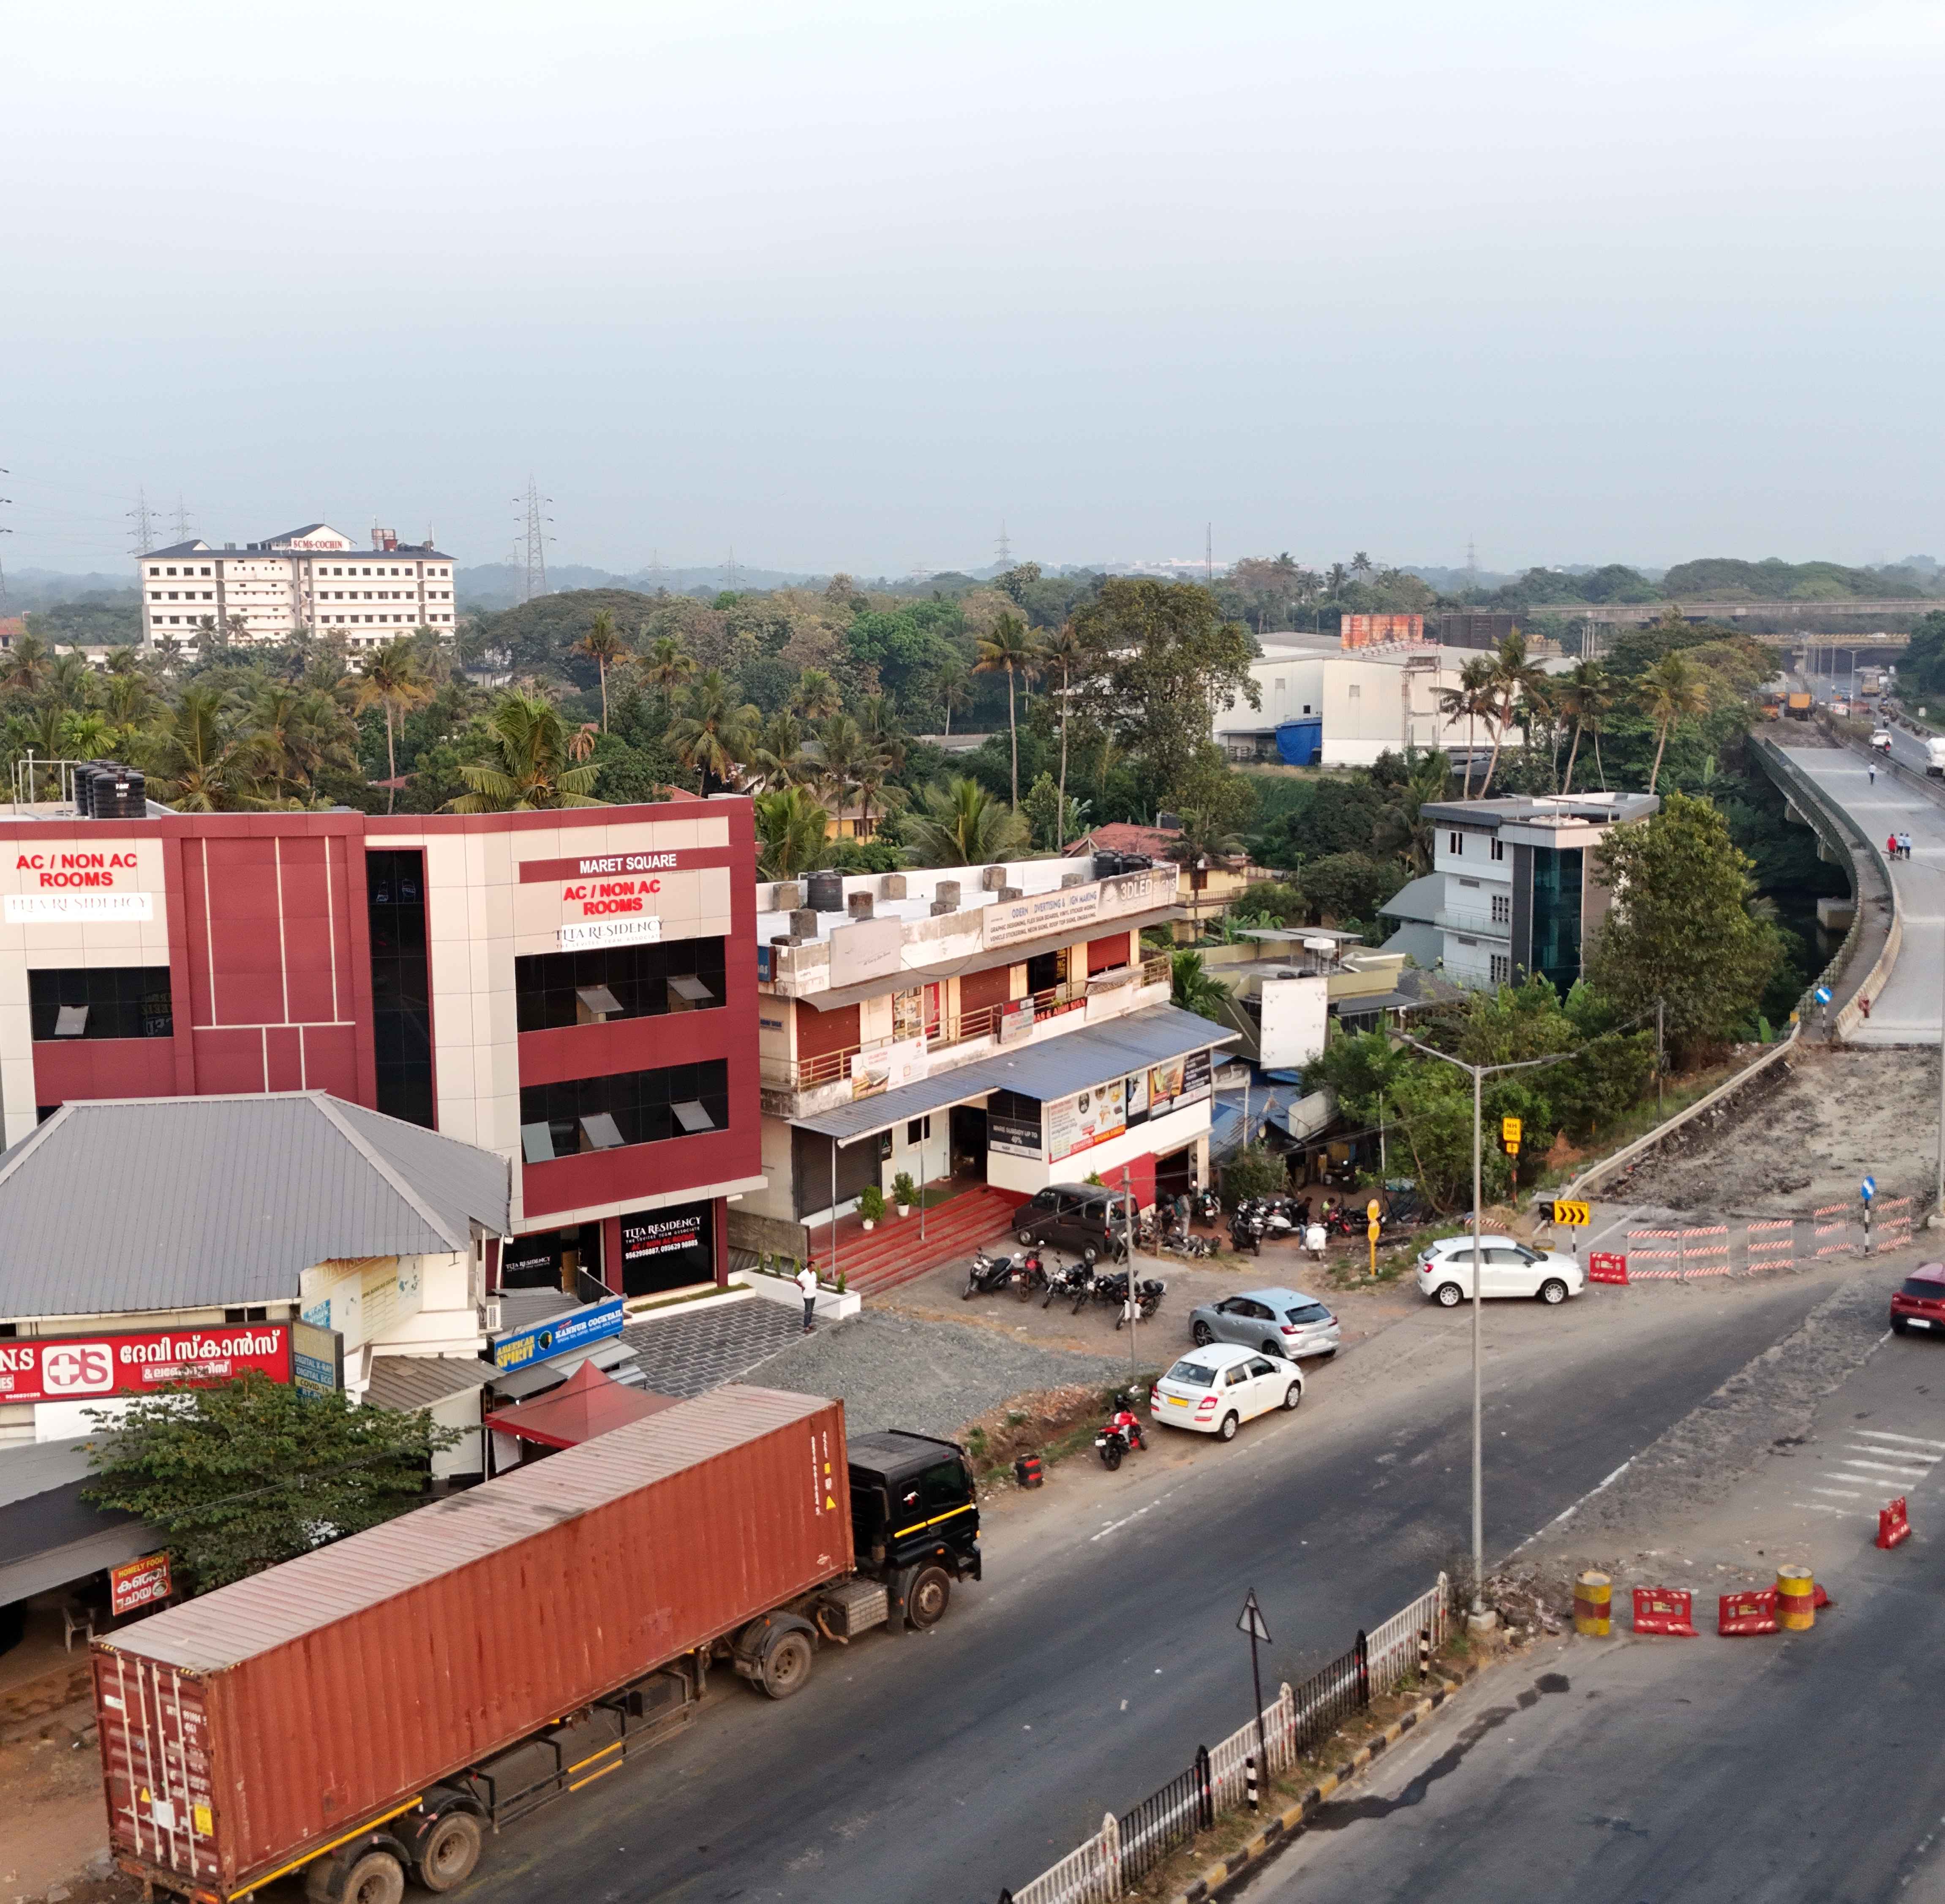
{"x":574,"y":989}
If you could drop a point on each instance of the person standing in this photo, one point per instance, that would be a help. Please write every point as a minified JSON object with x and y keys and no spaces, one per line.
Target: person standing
{"x":1890,"y":845}
{"x":1871,"y":767}
{"x":807,"y":1281}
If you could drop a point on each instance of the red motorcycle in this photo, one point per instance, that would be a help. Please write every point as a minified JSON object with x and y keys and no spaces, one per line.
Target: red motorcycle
{"x":1122,"y":1434}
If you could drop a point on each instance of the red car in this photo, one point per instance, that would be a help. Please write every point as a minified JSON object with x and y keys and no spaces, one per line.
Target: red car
{"x":1918,"y":1302}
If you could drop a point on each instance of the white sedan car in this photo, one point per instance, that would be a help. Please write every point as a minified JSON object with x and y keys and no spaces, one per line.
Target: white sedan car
{"x":1215,"y":1389}
{"x":1507,"y":1267}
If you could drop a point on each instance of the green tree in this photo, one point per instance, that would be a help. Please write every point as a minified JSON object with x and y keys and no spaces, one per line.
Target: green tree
{"x":1008,"y":649}
{"x":1512,"y":676}
{"x":1064,"y":656}
{"x":1673,"y":689}
{"x":24,"y":670}
{"x":959,"y":823}
{"x":526,"y":761}
{"x":954,"y":688}
{"x":1467,"y":702}
{"x":393,"y":681}
{"x":714,"y":734}
{"x":1253,"y":1170}
{"x":195,"y":758}
{"x":817,"y":698}
{"x":1349,"y":885}
{"x":1192,"y":989}
{"x":777,"y":755}
{"x":1585,"y":694}
{"x":252,"y":1472}
{"x":1679,"y":929}
{"x":603,"y":647}
{"x":668,"y":666}
{"x":792,"y":828}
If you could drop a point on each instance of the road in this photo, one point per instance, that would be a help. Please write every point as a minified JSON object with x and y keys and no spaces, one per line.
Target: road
{"x":1101,"y":1649}
{"x":1803,"y":1767}
{"x":1907,"y":1011}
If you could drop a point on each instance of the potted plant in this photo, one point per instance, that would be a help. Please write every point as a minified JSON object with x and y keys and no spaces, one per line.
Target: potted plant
{"x":905,"y":1192}
{"x":871,"y":1206}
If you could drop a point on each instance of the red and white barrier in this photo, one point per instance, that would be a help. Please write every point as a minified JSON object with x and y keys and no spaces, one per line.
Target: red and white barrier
{"x":1832,"y":1229}
{"x":1892,"y":1221}
{"x":1643,"y":1257}
{"x":1893,"y":1525}
{"x":1606,"y":1266}
{"x":1739,"y":1613}
{"x":1664,"y":1609}
{"x":1704,"y":1252}
{"x":1769,"y":1246}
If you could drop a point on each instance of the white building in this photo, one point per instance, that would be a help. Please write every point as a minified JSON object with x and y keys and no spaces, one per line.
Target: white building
{"x":314,"y":580}
{"x":1325,"y":706}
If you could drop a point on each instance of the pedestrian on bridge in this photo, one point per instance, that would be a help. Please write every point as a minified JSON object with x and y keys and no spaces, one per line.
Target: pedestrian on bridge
{"x":1890,"y":845}
{"x":1871,"y":767}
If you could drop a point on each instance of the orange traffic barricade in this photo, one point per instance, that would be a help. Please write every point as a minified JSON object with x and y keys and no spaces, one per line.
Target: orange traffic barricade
{"x":1893,"y":1524}
{"x":1664,"y":1609}
{"x":1795,"y":1599}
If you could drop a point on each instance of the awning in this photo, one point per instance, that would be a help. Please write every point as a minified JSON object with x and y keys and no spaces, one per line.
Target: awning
{"x":613,"y":1356}
{"x":587,"y":1403}
{"x":1073,"y":1061}
{"x":410,"y":1381}
{"x":48,"y":1534}
{"x":1006,"y":955}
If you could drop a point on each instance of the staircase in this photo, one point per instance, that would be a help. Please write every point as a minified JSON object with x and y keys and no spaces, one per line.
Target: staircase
{"x":881,"y":1259}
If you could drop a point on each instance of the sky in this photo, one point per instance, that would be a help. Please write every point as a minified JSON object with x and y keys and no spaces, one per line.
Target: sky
{"x":847,"y":286}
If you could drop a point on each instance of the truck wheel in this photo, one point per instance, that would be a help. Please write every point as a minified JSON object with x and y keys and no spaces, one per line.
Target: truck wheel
{"x":449,"y":1853}
{"x":377,"y":1878}
{"x":930,"y":1596}
{"x":787,"y":1664}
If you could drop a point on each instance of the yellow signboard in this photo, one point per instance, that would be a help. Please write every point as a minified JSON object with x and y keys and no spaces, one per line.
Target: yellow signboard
{"x":1572,"y":1216}
{"x":1509,"y":1132}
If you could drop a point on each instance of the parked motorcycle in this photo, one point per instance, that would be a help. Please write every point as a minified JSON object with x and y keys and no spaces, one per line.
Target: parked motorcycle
{"x":1183,"y":1244}
{"x":1082,"y":1284}
{"x":1028,"y":1274}
{"x":1065,"y":1279}
{"x":1208,"y":1208}
{"x":1148,"y":1293}
{"x":1122,"y":1434}
{"x":986,"y":1274}
{"x":1246,"y":1230}
{"x":1110,"y":1285}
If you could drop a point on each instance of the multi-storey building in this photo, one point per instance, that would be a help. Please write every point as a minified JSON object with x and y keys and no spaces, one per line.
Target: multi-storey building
{"x":995,"y":1024}
{"x":575,"y":990}
{"x":1322,"y":705}
{"x":1514,"y":887}
{"x":315,"y":581}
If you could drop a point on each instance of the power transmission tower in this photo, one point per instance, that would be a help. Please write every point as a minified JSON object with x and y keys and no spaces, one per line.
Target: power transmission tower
{"x":729,"y":572}
{"x":1209,"y":554}
{"x":1472,"y":569}
{"x":1002,"y":549}
{"x":184,"y":529}
{"x":530,"y":545}
{"x":143,"y":522}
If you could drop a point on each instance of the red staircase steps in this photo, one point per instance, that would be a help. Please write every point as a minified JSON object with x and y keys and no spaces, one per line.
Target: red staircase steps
{"x":881,"y":1259}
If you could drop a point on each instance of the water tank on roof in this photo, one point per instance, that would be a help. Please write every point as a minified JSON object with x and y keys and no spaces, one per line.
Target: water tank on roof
{"x":826,"y":892}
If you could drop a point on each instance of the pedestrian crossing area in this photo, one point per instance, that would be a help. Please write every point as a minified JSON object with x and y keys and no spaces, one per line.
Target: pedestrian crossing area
{"x":1875,"y":1467}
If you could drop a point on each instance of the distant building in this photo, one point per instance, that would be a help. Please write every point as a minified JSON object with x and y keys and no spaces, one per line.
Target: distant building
{"x":314,"y":579}
{"x":1517,"y":890}
{"x":1321,"y":707}
{"x":1467,"y":630}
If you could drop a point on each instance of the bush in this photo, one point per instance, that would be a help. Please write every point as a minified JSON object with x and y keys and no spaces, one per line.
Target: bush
{"x":871,"y":1204}
{"x":903,"y":1190}
{"x":1256,"y":1170}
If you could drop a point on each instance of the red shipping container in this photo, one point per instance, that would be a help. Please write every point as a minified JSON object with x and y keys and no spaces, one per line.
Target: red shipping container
{"x":249,"y":1727}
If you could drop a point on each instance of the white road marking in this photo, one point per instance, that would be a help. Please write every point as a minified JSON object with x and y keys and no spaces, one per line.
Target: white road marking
{"x":1112,"y":1526}
{"x":1909,"y":1440}
{"x":1819,"y":1507}
{"x":1878,"y":1468}
{"x":1843,"y":1493}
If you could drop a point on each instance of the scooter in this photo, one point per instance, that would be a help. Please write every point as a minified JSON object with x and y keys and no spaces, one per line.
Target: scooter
{"x":1148,"y":1293}
{"x":1122,"y":1432}
{"x":1028,"y":1275}
{"x":985,"y":1274}
{"x":1246,"y":1232}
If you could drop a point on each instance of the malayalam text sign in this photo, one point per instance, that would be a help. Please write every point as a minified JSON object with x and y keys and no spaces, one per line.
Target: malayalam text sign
{"x":84,"y":1368}
{"x":137,"y":1583}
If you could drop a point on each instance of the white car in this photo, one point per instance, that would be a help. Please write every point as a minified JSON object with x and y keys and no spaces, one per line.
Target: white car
{"x":1507,"y":1267}
{"x":1215,"y":1390}
{"x":1881,"y":740}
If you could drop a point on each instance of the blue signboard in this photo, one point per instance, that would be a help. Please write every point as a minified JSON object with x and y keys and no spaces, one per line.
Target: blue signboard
{"x":578,"y":1328}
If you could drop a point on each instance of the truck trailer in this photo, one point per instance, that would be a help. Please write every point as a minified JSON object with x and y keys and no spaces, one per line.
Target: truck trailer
{"x":371,"y":1710}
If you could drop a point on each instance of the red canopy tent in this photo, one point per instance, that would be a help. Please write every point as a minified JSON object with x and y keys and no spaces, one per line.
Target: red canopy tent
{"x":587,"y":1403}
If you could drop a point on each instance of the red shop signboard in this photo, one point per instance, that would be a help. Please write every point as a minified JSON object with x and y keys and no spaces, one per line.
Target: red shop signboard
{"x":82,"y":1368}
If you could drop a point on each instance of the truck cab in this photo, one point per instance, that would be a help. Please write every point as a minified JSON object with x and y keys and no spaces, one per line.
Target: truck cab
{"x":914,"y":1508}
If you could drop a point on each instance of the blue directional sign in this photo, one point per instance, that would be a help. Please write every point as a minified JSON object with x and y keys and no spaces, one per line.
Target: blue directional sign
{"x":1868,"y":1188}
{"x":1822,"y":994}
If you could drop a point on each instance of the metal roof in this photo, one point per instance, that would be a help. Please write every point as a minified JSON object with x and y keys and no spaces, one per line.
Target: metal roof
{"x":409,"y":1381}
{"x":189,"y":1202}
{"x":1056,"y":1069}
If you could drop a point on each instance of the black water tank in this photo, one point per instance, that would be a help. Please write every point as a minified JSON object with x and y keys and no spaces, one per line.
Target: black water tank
{"x":826,"y":892}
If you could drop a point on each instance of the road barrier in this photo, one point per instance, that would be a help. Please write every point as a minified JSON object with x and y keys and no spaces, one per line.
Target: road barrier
{"x":1893,"y":1525}
{"x":1795,"y":1599}
{"x":1594,"y":1605}
{"x":1642,"y":1251}
{"x":1127,"y":1848}
{"x":1739,"y":1613}
{"x":1894,"y":1222}
{"x":1664,"y":1609}
{"x":1769,"y":1246}
{"x":1607,"y":1266}
{"x":1704,"y":1252}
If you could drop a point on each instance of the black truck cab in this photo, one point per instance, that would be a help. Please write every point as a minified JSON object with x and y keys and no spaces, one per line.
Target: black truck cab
{"x":914,"y":1514}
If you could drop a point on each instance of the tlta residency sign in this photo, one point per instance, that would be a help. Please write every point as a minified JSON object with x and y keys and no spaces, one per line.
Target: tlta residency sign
{"x":79,"y":1368}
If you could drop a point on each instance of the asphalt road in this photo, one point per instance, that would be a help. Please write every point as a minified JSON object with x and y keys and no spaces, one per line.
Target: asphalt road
{"x":1800,"y":1768}
{"x":1101,"y":1647}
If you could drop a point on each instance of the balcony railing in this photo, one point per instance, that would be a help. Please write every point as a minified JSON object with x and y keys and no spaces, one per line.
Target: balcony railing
{"x":1487,"y":925}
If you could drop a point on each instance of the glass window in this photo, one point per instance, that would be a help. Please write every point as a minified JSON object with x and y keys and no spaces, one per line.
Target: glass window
{"x":101,"y":1002}
{"x":401,"y":986}
{"x":552,"y":989}
{"x":1192,"y":1375}
{"x":1309,"y":1312}
{"x":1455,"y":842}
{"x":945,"y":1487}
{"x":591,"y":1114}
{"x":1556,"y":914}
{"x":1499,"y":849}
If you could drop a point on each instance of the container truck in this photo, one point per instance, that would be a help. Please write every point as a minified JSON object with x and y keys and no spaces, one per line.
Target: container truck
{"x":369,"y":1711}
{"x":1934,"y":757}
{"x":1798,"y":707}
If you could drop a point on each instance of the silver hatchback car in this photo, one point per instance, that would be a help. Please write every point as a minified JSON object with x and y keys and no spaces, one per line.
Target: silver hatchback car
{"x":1278,"y":1322}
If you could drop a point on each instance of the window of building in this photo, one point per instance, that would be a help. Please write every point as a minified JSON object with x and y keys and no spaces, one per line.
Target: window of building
{"x":100,"y":1002}
{"x":1502,"y":968}
{"x":401,"y":986}
{"x":1280,"y":685}
{"x":1455,"y":842}
{"x":256,"y":1312}
{"x":1503,"y":908}
{"x":1499,"y":848}
{"x":1353,"y":693}
{"x":917,"y":1131}
{"x":155,"y":572}
{"x":553,"y":989}
{"x":1306,"y":706}
{"x":627,"y":1107}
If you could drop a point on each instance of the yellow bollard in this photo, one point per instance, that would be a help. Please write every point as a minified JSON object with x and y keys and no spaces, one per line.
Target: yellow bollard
{"x":1594,"y":1605}
{"x":1795,"y":1599}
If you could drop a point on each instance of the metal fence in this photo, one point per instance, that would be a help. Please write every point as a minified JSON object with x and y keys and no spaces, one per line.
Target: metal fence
{"x":1127,"y":1848}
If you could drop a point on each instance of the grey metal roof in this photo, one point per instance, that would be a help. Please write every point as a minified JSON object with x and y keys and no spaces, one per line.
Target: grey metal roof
{"x":1062,"y":1065}
{"x":411,"y":1381}
{"x":32,"y":1467}
{"x":187,"y":1203}
{"x":1422,"y":900}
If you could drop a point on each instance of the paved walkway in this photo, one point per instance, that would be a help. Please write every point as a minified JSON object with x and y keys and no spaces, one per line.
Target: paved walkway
{"x":689,"y":1355}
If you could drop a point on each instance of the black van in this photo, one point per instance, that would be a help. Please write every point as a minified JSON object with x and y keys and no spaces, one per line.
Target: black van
{"x":1082,"y":1218}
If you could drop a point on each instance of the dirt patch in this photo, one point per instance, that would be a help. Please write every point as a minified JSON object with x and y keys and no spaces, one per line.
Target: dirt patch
{"x":55,"y":1833}
{"x":1052,"y":1423}
{"x":1837,"y":1114}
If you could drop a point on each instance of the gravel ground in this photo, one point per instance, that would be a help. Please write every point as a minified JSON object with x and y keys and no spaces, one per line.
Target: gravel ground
{"x":899,"y":1371}
{"x":1808,"y":1141}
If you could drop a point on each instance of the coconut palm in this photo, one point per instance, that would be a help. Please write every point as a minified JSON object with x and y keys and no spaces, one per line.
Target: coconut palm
{"x":668,"y":666}
{"x":392,"y":680}
{"x":1585,"y":694}
{"x":777,"y":755}
{"x":840,"y":751}
{"x":1470,"y":698}
{"x":959,"y":823}
{"x":195,"y":760}
{"x":1674,"y":689}
{"x":603,"y":647}
{"x":25,"y":668}
{"x":792,"y":832}
{"x":817,"y":698}
{"x":714,"y":734}
{"x":1512,"y":676}
{"x":1202,"y":843}
{"x":1008,"y":649}
{"x":955,"y":691}
{"x":1064,"y":653}
{"x":1191,"y":989}
{"x":526,"y":764}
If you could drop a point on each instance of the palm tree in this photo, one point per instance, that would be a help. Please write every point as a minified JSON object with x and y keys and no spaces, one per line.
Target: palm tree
{"x":1192,"y":989}
{"x":955,"y":691}
{"x":669,"y":666}
{"x":1009,"y":647}
{"x":25,"y":668}
{"x":1673,"y":689}
{"x":129,"y":695}
{"x":959,"y":823}
{"x":603,"y":646}
{"x":1585,"y":694}
{"x":393,"y":682}
{"x":841,"y":750}
{"x":526,"y":763}
{"x":1512,"y":674}
{"x":1469,"y":698}
{"x":712,"y":735}
{"x":777,"y":755}
{"x":1063,"y":652}
{"x":194,"y":760}
{"x":1404,"y":827}
{"x":792,"y":832}
{"x":816,"y":698}
{"x":1361,"y":564}
{"x":879,"y":719}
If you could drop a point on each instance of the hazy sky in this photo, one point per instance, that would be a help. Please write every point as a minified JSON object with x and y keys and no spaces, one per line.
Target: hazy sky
{"x":845,"y":285}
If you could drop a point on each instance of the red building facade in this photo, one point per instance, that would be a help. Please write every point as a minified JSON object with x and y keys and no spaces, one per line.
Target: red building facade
{"x":575,"y":989}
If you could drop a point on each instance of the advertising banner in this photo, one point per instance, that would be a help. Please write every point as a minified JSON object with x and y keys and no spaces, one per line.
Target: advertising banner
{"x":903,"y":1061}
{"x":578,"y":1328}
{"x":1086,"y":1119}
{"x":869,"y":948}
{"x":137,"y":1583}
{"x":317,"y":1359}
{"x":80,"y":1368}
{"x":1041,"y":914}
{"x":658,"y":1232}
{"x":1016,"y":1023}
{"x":1137,"y":1099}
{"x":1016,"y":1136}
